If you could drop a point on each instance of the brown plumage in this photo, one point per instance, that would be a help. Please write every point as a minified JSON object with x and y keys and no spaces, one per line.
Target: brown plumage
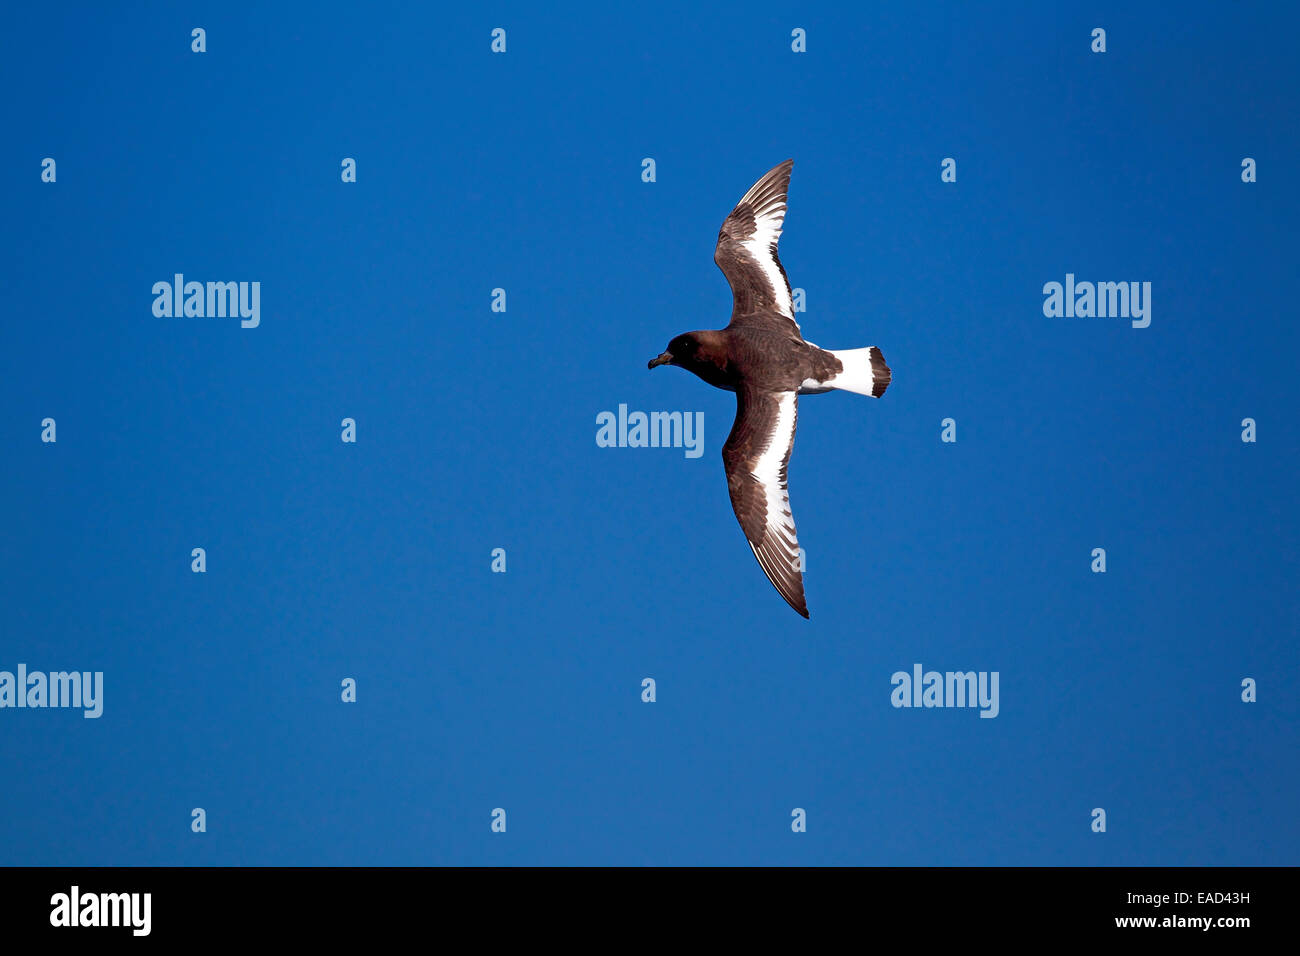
{"x":762,"y":357}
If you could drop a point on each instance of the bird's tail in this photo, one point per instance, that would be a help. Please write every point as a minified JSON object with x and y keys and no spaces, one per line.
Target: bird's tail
{"x":865,"y":372}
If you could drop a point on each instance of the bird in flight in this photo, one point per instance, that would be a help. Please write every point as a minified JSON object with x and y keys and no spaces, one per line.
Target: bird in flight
{"x":762,"y":357}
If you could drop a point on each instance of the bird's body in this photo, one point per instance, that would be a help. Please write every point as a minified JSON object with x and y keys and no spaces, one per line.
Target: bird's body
{"x":763,"y":357}
{"x":733,"y":356}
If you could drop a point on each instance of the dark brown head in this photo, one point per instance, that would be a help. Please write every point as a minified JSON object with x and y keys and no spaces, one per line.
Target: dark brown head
{"x":683,"y":351}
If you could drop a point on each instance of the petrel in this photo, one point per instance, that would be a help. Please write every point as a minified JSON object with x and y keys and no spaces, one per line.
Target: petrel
{"x":763,"y":357}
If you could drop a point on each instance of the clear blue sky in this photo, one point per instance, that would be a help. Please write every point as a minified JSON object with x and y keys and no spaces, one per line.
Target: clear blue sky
{"x":476,"y":430}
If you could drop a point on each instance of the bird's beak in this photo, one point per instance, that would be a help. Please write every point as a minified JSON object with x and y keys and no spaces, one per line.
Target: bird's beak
{"x":663,"y":359}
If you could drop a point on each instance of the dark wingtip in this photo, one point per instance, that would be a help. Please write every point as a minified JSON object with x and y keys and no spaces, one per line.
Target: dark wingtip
{"x":781,"y":170}
{"x":801,"y":608}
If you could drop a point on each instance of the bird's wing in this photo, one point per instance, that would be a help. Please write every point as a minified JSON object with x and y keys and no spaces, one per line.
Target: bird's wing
{"x":756,"y":455}
{"x":746,"y":254}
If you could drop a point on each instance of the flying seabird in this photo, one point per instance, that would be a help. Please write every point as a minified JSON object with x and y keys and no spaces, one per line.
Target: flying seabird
{"x":762,"y":357}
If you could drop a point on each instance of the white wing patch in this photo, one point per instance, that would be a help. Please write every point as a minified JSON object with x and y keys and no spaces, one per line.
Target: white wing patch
{"x":780,"y":547}
{"x":768,"y":221}
{"x":756,"y":456}
{"x":747,"y":254}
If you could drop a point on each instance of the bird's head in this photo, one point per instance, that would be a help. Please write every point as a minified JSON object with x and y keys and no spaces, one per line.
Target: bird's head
{"x":681,"y":351}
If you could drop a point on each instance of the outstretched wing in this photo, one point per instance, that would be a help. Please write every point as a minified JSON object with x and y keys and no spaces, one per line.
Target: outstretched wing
{"x":756,"y":455}
{"x":746,"y":254}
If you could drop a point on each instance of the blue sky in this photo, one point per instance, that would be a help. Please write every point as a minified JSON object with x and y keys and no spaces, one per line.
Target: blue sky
{"x":476,"y":430}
